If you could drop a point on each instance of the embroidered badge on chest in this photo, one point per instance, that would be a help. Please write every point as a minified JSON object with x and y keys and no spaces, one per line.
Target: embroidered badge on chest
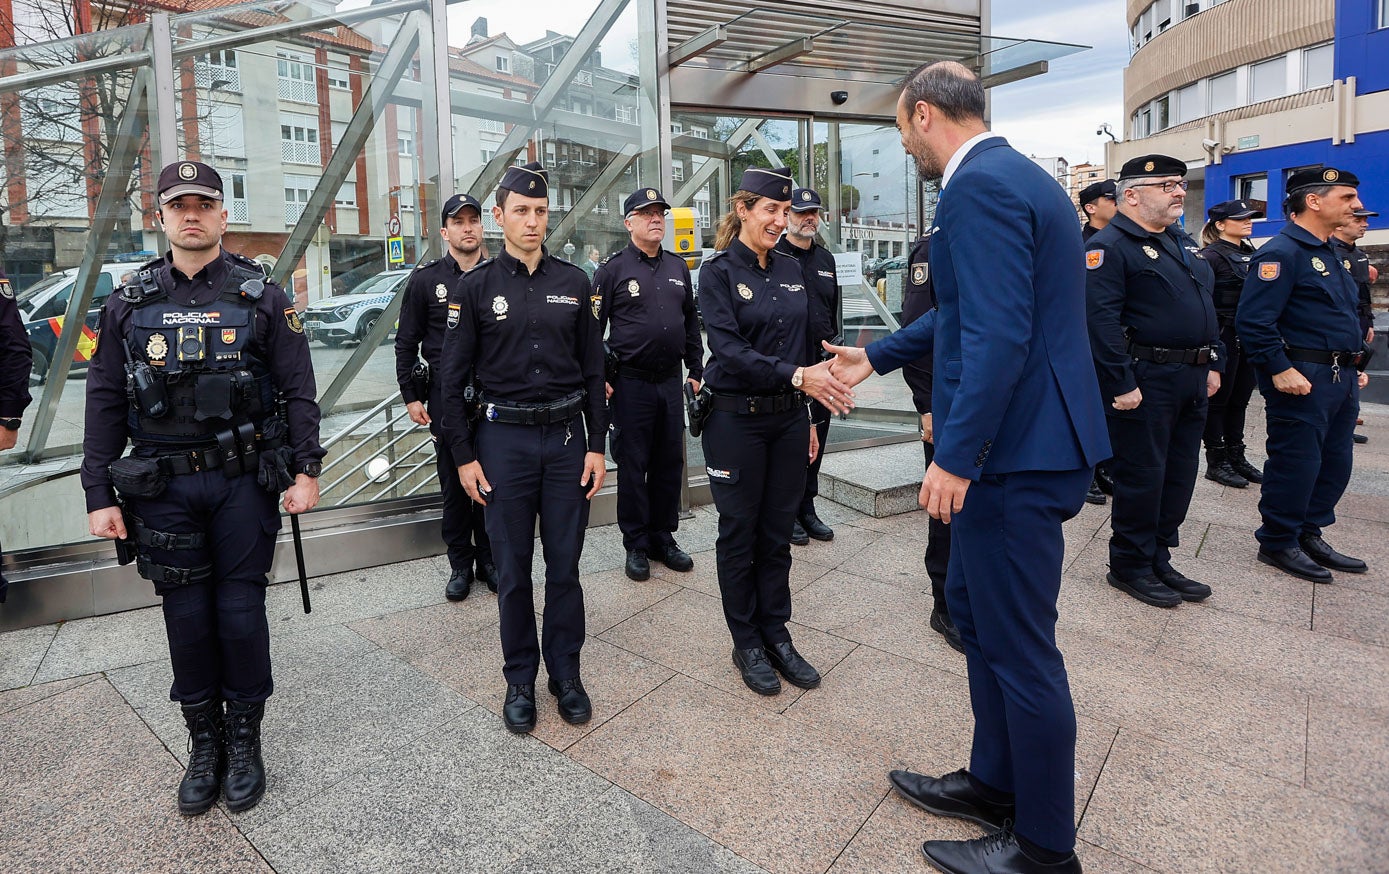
{"x":499,"y":307}
{"x":1346,"y":263}
{"x":157,"y":348}
{"x":634,"y":288}
{"x":919,"y":274}
{"x":744,"y":291}
{"x":1150,"y":252}
{"x":441,"y":292}
{"x":1318,"y":264}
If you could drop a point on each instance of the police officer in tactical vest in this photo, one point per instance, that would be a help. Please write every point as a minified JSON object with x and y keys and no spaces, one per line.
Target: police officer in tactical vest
{"x":203,"y":366}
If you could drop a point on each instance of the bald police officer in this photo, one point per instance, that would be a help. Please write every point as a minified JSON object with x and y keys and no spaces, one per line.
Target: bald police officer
{"x":647,"y":304}
{"x":421,"y":335}
{"x":822,"y":286}
{"x":202,"y":364}
{"x":15,"y":360}
{"x":1156,"y":345}
{"x":524,"y":328}
{"x":1297,"y":322}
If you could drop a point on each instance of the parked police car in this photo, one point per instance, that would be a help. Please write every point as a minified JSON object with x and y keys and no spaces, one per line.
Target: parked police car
{"x":43,"y":306}
{"x":336,"y":320}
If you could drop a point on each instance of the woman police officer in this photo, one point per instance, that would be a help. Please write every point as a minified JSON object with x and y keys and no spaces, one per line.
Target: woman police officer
{"x":1227,"y":250}
{"x":758,"y":437}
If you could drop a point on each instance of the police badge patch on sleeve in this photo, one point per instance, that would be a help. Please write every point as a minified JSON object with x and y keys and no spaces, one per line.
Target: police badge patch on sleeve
{"x":6,"y":290}
{"x":1093,"y":259}
{"x":454,"y":311}
{"x":1269,"y":270}
{"x":597,"y":302}
{"x":292,"y":319}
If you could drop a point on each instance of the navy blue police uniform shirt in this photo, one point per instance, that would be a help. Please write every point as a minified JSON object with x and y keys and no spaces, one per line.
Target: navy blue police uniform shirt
{"x":530,"y":338}
{"x":1230,"y":263}
{"x":1088,"y":231}
{"x":1154,"y":288}
{"x":648,"y":308}
{"x":16,"y":358}
{"x":1357,"y":262}
{"x":422,"y":318}
{"x":818,"y":270}
{"x":918,"y":299}
{"x":277,"y":339}
{"x":1297,"y":293}
{"x":757,"y":321}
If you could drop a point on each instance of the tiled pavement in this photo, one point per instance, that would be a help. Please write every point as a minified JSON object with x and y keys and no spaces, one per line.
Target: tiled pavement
{"x":1249,"y":733}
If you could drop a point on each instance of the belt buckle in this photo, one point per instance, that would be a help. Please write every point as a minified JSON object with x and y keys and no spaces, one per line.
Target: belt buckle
{"x":752,"y":405}
{"x":1160,"y":354}
{"x":195,"y":461}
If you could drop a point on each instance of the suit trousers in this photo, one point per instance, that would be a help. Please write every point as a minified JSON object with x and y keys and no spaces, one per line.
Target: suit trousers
{"x":648,"y":442}
{"x":534,"y":471}
{"x":1005,"y":573}
{"x":1310,"y":450}
{"x":463,"y":527}
{"x":937,"y":548}
{"x":756,"y":466}
{"x":1157,"y":449}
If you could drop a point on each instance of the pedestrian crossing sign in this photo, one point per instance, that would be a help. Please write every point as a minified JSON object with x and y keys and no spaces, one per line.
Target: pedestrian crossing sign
{"x":395,"y":250}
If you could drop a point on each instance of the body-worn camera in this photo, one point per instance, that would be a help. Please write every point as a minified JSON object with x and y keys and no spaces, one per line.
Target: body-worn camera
{"x":191,"y":346}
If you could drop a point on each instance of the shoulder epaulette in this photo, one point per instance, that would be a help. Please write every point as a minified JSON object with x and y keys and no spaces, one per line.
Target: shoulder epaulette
{"x":483,"y":263}
{"x":246,"y":262}
{"x":145,"y":287}
{"x":569,"y":264}
{"x":429,"y":263}
{"x":714,"y":257}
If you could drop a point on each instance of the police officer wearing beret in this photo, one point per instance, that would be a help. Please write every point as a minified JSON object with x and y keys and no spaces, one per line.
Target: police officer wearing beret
{"x":759,"y":437}
{"x":421,"y":334}
{"x":1156,"y":344}
{"x":1099,"y":201}
{"x":918,"y":299}
{"x":523,"y":329}
{"x":1227,"y":249}
{"x":647,"y":300}
{"x":15,"y":360}
{"x":1297,"y":322}
{"x":822,"y":282}
{"x":1357,"y":262}
{"x":202,"y":364}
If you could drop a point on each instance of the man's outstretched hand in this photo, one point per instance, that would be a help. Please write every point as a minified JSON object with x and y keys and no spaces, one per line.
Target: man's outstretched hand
{"x":850,"y":365}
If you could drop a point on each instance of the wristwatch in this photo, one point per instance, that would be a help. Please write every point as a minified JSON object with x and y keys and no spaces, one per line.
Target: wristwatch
{"x":311,"y":468}
{"x":798,"y":378}
{"x":11,"y":424}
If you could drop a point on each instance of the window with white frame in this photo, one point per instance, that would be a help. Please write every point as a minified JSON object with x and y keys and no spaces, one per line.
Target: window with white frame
{"x":699,"y":133}
{"x":296,"y":78}
{"x":491,"y":126}
{"x":221,"y":128}
{"x":627,"y":114}
{"x":338,"y":78}
{"x":217,"y":68}
{"x":1268,"y":79}
{"x":488,"y":154}
{"x":299,"y":139}
{"x":234,"y":196}
{"x":347,"y":195}
{"x":1253,"y":188}
{"x":405,"y":143}
{"x":1384,"y":13}
{"x":503,"y":64}
{"x":298,"y":188}
{"x":51,"y":113}
{"x":1318,"y":65}
{"x":677,"y":172}
{"x":1191,"y":102}
{"x":1224,"y":92}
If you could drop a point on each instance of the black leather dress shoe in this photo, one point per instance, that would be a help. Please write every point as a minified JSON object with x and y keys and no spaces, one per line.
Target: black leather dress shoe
{"x":941,"y":623}
{"x":1187,"y":588}
{"x":992,"y":854}
{"x":519,"y":709}
{"x":790,"y":665}
{"x":951,"y":795}
{"x":675,"y":558}
{"x":574,"y":705}
{"x":1360,"y":438}
{"x":814,"y":528}
{"x":1320,"y":551}
{"x":1294,"y":561}
{"x":638,"y":566}
{"x":1104,"y":478}
{"x":799,"y":537}
{"x":756,"y":670}
{"x":1093,"y":495}
{"x":460,"y":584}
{"x":487,"y":573}
{"x":1148,"y":589}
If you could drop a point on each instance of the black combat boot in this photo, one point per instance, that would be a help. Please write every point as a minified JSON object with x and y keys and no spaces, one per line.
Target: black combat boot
{"x":1234,"y":453}
{"x":245,"y":780}
{"x":207,"y":756}
{"x":1218,"y":467}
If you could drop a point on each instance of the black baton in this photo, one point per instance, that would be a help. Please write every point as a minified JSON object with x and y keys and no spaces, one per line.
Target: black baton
{"x":299,"y":560}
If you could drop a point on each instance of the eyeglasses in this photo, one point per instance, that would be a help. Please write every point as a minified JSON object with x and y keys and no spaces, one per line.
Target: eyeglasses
{"x":1167,"y":187}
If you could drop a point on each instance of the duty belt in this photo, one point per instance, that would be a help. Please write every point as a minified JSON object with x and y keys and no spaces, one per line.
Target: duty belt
{"x":1164,"y":355}
{"x":649,"y":375}
{"x":757,"y":404}
{"x":190,"y":461}
{"x":561,"y":410}
{"x":1322,"y":356}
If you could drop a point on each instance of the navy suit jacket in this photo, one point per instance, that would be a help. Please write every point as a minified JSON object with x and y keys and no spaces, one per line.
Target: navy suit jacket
{"x":1014,"y":387}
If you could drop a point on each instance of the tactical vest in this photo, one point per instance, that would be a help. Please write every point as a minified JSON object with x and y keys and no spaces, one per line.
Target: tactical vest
{"x":201,"y":357}
{"x":1228,"y":289}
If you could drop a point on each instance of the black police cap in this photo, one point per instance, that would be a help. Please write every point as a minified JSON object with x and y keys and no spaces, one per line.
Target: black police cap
{"x":806,"y":200}
{"x":530,"y":180}
{"x":1365,"y":213}
{"x":189,"y":177}
{"x":1095,"y":190}
{"x":775,"y":183}
{"x":456,"y":203}
{"x":1314,"y":177}
{"x":1145,"y":166}
{"x":1233,"y":209}
{"x":643,"y":198}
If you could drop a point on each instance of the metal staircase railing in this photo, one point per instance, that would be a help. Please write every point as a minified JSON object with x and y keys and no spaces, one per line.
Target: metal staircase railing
{"x":355,"y":441}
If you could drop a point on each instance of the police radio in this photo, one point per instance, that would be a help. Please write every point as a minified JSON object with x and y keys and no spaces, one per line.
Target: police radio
{"x":143,"y":386}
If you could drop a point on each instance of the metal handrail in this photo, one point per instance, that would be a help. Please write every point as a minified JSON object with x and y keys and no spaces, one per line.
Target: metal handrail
{"x":363,"y":487}
{"x":390,"y":420}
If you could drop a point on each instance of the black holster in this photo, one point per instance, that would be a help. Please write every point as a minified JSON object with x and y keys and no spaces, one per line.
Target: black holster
{"x":698,"y":408}
{"x":420,"y":379}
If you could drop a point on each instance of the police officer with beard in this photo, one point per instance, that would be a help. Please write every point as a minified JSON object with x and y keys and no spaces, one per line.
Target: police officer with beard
{"x":822,"y":286}
{"x":202,"y":364}
{"x":1156,"y":343}
{"x":647,"y":296}
{"x":523,"y":329}
{"x":15,"y":360}
{"x":421,"y":335}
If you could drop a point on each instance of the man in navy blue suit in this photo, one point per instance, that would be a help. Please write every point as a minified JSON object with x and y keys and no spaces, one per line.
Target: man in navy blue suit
{"x":1018,"y":429}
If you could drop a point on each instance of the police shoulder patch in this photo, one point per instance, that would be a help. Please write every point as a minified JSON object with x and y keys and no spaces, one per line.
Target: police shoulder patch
{"x":1270,"y":270}
{"x":1093,"y":259}
{"x":454,"y":311}
{"x":292,"y":319}
{"x":6,"y":290}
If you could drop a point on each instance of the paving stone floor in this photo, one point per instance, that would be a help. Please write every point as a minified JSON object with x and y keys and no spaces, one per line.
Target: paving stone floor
{"x":1246,"y":734}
